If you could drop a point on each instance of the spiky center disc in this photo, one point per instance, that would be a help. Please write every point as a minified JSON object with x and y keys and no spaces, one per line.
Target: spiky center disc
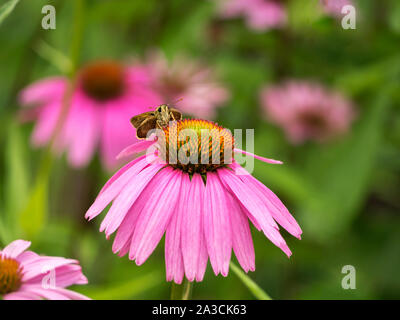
{"x":196,"y":145}
{"x":103,"y":80}
{"x":10,"y":275}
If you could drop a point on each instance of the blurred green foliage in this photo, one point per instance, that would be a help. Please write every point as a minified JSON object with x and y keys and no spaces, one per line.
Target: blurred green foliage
{"x":345,"y":194}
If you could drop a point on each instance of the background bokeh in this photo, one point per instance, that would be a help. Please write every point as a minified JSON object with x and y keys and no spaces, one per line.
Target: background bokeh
{"x":345,"y":193}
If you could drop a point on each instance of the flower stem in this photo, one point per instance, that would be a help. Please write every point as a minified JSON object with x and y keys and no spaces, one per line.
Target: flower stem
{"x":254,"y":288}
{"x":76,"y":42}
{"x":181,"y":291}
{"x":46,"y":163}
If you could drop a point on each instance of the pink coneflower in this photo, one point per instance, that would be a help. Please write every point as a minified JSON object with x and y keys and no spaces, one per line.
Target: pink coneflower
{"x":203,"y":207}
{"x":24,"y":275}
{"x":260,"y":15}
{"x":334,"y":7}
{"x":307,"y":111}
{"x":188,"y":84}
{"x":105,"y":95}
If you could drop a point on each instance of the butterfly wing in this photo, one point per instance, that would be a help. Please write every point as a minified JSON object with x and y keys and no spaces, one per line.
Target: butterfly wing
{"x":140,"y":118}
{"x":176,"y":114}
{"x":146,"y":126}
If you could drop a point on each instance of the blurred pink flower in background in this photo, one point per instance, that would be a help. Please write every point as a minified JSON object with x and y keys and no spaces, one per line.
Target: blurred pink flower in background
{"x":104,"y":99}
{"x":307,"y":111}
{"x":192,"y":87}
{"x":259,"y":14}
{"x":24,"y":275}
{"x":334,"y":7}
{"x":203,"y":209}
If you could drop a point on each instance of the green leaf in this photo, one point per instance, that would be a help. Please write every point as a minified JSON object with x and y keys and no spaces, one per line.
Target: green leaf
{"x":255,"y":289}
{"x":6,"y":9}
{"x":126,"y":290}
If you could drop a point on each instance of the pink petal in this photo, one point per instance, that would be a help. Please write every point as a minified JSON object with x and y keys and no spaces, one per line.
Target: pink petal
{"x":155,"y":216}
{"x":117,"y":132}
{"x":46,"y":123}
{"x":119,"y":173}
{"x":192,"y":224}
{"x":110,"y":191}
{"x":15,"y":248}
{"x":72,"y":295}
{"x":51,"y":293}
{"x":255,"y":207}
{"x":241,"y":241}
{"x":21,"y":295}
{"x":48,"y":294}
{"x":135,"y":148}
{"x":123,"y":238}
{"x":43,"y":264}
{"x":26,"y":257}
{"x":43,"y":90}
{"x":217,"y":228}
{"x":65,"y":276}
{"x":258,"y":157}
{"x":251,"y":202}
{"x":203,"y":258}
{"x":275,"y":206}
{"x":126,"y":198}
{"x":84,"y":120}
{"x":173,"y":252}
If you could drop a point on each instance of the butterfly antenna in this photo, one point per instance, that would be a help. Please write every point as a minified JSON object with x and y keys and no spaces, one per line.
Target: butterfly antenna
{"x":178,"y":100}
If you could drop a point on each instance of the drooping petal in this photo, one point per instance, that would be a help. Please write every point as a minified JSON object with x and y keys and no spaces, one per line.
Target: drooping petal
{"x":255,"y":207}
{"x":123,"y":238}
{"x":241,"y":240}
{"x":43,"y":293}
{"x":192,"y":238}
{"x":275,"y":206}
{"x":64,"y":276}
{"x":21,"y":295}
{"x":84,"y":120}
{"x":203,"y":258}
{"x":46,"y":123}
{"x":119,"y":173}
{"x":135,"y":148}
{"x":251,"y":202}
{"x":126,"y":198}
{"x":173,"y":252}
{"x":155,"y":216}
{"x":109,"y":192}
{"x":15,"y":248}
{"x":26,"y":257}
{"x":43,"y":91}
{"x":42,"y":265}
{"x":117,"y":132}
{"x":258,"y":157}
{"x":52,"y":293}
{"x":217,"y":228}
{"x":72,"y":295}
